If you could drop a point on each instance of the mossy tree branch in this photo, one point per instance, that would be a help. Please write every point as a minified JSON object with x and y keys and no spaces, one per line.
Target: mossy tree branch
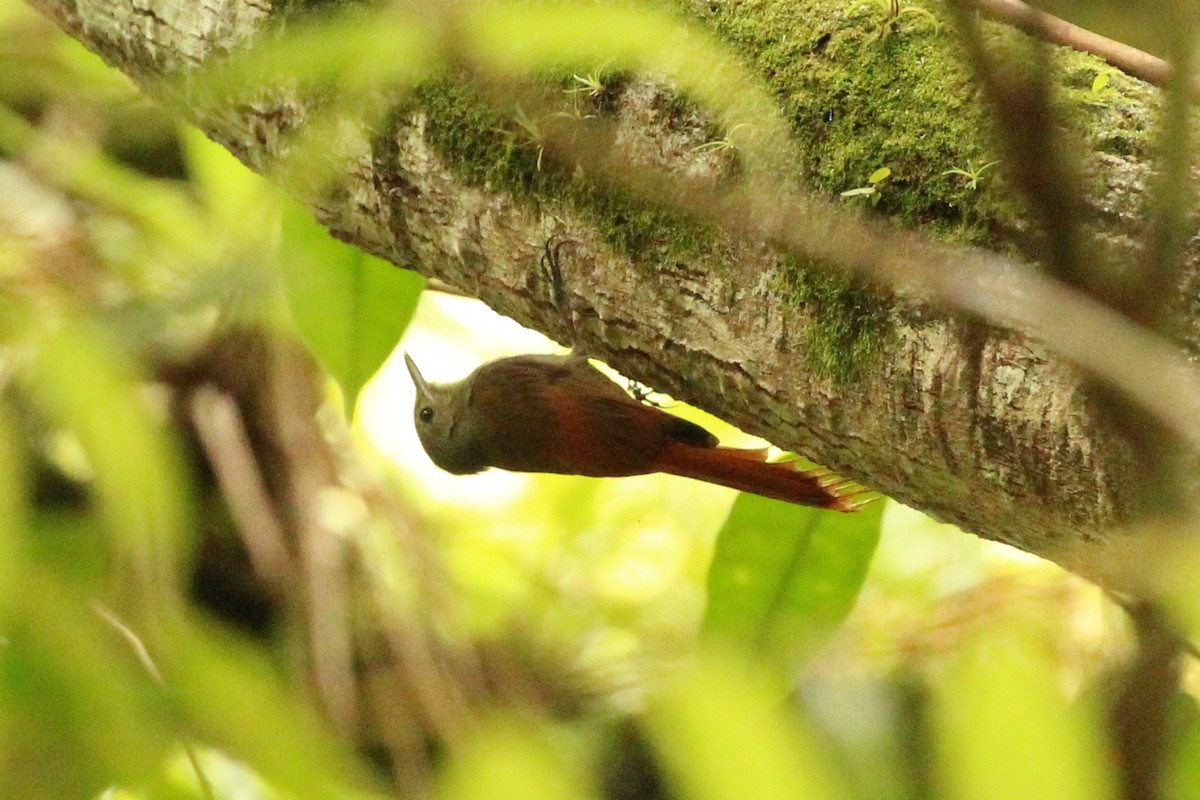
{"x":977,"y":425}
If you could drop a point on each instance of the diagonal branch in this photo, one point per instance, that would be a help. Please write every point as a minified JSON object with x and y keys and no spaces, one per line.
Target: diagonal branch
{"x":1055,"y":30}
{"x":974,"y":423}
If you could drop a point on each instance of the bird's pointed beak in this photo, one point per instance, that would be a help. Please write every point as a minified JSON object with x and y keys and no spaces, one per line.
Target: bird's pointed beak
{"x":417,"y":378}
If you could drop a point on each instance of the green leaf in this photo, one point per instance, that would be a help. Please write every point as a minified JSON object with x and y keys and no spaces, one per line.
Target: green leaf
{"x":522,"y":38}
{"x":83,"y":382}
{"x":1003,"y":727}
{"x":1182,"y":774}
{"x":351,"y":308}
{"x":393,"y":47}
{"x":784,"y":576}
{"x":722,"y":735}
{"x":883,"y":173}
{"x":230,"y":692}
{"x":242,"y":206}
{"x":77,"y":710}
{"x":13,"y":517}
{"x":508,"y":759}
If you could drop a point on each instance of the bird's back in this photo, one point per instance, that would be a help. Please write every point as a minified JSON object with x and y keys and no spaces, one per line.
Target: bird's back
{"x":559,"y":414}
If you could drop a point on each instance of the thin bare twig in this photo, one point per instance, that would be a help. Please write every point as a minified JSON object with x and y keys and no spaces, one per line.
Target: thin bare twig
{"x":222,"y":433}
{"x":1056,"y":30}
{"x":147,"y":661}
{"x":322,"y":551}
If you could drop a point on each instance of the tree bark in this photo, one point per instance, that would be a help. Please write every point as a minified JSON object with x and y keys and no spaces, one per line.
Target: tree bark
{"x":973,"y":424}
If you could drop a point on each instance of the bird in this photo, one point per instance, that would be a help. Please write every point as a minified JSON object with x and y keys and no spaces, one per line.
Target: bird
{"x":559,"y":414}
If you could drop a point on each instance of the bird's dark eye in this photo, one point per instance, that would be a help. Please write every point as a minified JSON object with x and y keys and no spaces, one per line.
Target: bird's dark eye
{"x":425,"y":414}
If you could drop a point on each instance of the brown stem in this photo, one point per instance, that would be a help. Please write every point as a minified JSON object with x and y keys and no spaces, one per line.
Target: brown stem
{"x":1056,"y":30}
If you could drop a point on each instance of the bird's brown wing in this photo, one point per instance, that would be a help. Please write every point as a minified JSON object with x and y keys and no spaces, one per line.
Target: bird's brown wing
{"x":560,"y":414}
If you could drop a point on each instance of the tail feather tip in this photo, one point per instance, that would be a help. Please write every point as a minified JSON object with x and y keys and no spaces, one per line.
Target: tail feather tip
{"x":854,"y":501}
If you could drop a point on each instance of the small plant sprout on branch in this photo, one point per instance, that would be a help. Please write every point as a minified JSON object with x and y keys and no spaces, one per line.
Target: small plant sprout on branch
{"x":872,"y":189}
{"x":724,"y":143}
{"x":590,"y":85}
{"x":971,"y":174}
{"x":1100,"y":93}
{"x":894,"y":10}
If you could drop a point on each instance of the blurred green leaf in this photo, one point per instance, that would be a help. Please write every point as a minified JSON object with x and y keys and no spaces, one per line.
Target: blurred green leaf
{"x":361,"y":51}
{"x":161,"y":208}
{"x":223,"y":776}
{"x":352,"y":66}
{"x":242,"y":206}
{"x":784,"y":576}
{"x":235,"y":700}
{"x":63,"y":66}
{"x":394,"y":48}
{"x":520,"y":38}
{"x":511,"y":760}
{"x":13,"y":518}
{"x":722,"y":735}
{"x":1003,"y":727}
{"x":350,"y":307}
{"x":1182,"y":780}
{"x":79,"y":711}
{"x":70,"y":542}
{"x":84,"y":384}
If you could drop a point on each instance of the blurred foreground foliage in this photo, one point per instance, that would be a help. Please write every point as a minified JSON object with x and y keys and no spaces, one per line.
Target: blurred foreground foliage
{"x":211,"y":587}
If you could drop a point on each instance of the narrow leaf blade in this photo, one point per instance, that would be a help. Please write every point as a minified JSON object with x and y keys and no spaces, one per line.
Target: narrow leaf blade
{"x":1003,"y":726}
{"x":784,"y":576}
{"x":350,"y":307}
{"x":721,"y":734}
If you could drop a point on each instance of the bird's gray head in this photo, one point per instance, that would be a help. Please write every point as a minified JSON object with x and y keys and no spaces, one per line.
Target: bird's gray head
{"x":440,"y":416}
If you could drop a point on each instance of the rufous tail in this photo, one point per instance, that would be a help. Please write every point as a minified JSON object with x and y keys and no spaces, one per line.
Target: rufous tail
{"x":748,"y":471}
